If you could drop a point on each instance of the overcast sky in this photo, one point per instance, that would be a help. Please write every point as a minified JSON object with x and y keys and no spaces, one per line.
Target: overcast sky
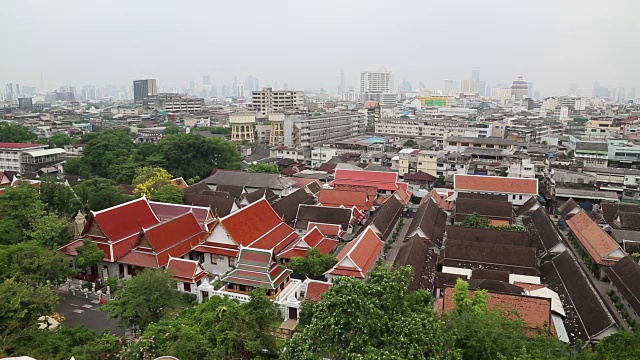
{"x":308,"y":43}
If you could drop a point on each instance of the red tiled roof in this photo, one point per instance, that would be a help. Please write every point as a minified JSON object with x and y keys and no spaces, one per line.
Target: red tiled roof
{"x":135,"y":258}
{"x":171,"y":232}
{"x":598,"y":244}
{"x":276,"y":239}
{"x":248,"y":224}
{"x":302,"y":182}
{"x":124,"y":220}
{"x":11,"y":145}
{"x":372,"y":191}
{"x":313,"y":239}
{"x":381,"y":179}
{"x":419,"y":176}
{"x":358,"y":257}
{"x":315,"y":289}
{"x":442,"y":204}
{"x":326,"y":229}
{"x":217,"y":249}
{"x":257,"y":268}
{"x":166,"y":211}
{"x":70,"y":248}
{"x":534,"y":311}
{"x":498,"y":184}
{"x":337,"y":198}
{"x":183,"y":268}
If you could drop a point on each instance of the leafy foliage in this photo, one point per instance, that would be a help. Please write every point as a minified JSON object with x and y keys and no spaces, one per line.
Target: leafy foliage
{"x":59,"y":198}
{"x":376,"y":320}
{"x":89,"y":254}
{"x":410,"y":143}
{"x":21,"y":204}
{"x":59,"y":140}
{"x":99,"y":193}
{"x":50,"y":231}
{"x":168,"y":194}
{"x":148,"y":179}
{"x":106,"y":152}
{"x":477,"y":221}
{"x":15,"y":133}
{"x":31,"y":263}
{"x":147,"y":298}
{"x":20,"y":307}
{"x":264,"y":168}
{"x":313,"y":265}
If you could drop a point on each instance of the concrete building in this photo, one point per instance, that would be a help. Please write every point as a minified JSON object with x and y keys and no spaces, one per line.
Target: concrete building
{"x":412,"y":161}
{"x":276,"y":136}
{"x":436,"y":129}
{"x":242,"y":126}
{"x":143,"y":89}
{"x":268,"y":100}
{"x":28,"y":157}
{"x":468,"y":86}
{"x":519,"y":88}
{"x":378,"y":86}
{"x":312,"y":131}
{"x":170,"y":102}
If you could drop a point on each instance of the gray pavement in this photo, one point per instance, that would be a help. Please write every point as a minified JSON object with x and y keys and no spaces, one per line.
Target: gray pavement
{"x":393,"y":252}
{"x":79,"y":310}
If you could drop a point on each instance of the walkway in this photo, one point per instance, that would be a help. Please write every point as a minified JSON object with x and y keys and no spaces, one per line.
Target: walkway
{"x":395,"y":247}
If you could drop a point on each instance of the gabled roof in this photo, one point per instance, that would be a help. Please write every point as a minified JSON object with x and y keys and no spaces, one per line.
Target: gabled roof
{"x":123,"y":220}
{"x":197,"y":188}
{"x":372,"y":191}
{"x":495,"y":210}
{"x":166,"y":211}
{"x":248,"y":179}
{"x":254,"y":222}
{"x":416,"y":253}
{"x":586,"y":314}
{"x":315,"y":289}
{"x":528,"y":205}
{"x":473,"y":255}
{"x":312,"y":239}
{"x":542,"y":231}
{"x":566,"y":208}
{"x":489,"y":236}
{"x":323,"y":214}
{"x":419,"y":177}
{"x":179,"y":182}
{"x":600,"y":246}
{"x":625,"y":275}
{"x":257,"y":268}
{"x":381,"y":179}
{"x":429,"y":221}
{"x":235,"y":191}
{"x":496,"y":184}
{"x":220,"y":205}
{"x":264,"y":192}
{"x":386,"y":216}
{"x":442,"y":203}
{"x":331,"y":230}
{"x":184,"y":269}
{"x":287,"y":207}
{"x":358,"y":257}
{"x":348,"y":199}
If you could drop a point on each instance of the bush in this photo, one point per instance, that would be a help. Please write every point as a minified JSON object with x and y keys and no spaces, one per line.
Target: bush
{"x":112,"y":283}
{"x":610,"y":293}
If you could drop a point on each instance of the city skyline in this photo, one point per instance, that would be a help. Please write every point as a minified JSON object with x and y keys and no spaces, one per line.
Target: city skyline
{"x":491,"y":36}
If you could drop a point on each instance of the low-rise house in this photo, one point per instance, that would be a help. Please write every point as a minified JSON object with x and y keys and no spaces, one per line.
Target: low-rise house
{"x":188,"y":274}
{"x":518,"y":190}
{"x":287,"y":206}
{"x":314,"y":239}
{"x":386,"y":182}
{"x":385,"y":218}
{"x":358,"y":257}
{"x":429,"y":222}
{"x":543,"y":233}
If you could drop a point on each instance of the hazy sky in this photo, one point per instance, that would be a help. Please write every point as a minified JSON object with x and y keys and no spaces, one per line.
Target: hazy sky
{"x":308,"y":43}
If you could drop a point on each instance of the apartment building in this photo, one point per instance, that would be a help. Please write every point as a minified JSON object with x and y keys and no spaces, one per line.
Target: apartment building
{"x":176,"y":103}
{"x":20,"y":157}
{"x":459,"y":143}
{"x":268,"y":100}
{"x":312,"y":131}
{"x":412,"y":161}
{"x":437,"y":129}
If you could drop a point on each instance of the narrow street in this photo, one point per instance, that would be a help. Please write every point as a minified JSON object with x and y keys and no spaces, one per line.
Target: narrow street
{"x":79,"y":310}
{"x":395,"y":247}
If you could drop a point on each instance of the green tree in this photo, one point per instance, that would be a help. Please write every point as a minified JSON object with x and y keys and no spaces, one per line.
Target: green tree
{"x":379,"y":319}
{"x":30,"y":262}
{"x":147,"y":298}
{"x":99,"y":193}
{"x":15,"y":133}
{"x":190,"y":155}
{"x":149,"y":179}
{"x":264,"y":168}
{"x":21,"y":204}
{"x":21,"y":305}
{"x":9,"y":232}
{"x":104,"y":153}
{"x":59,"y":140}
{"x":477,"y":221}
{"x":410,"y":143}
{"x":220,"y":130}
{"x":89,"y":254}
{"x":58,"y":197}
{"x":50,"y":231}
{"x":172,"y":129}
{"x":168,"y":194}
{"x":313,"y":265}
{"x":77,"y":166}
{"x":621,"y":345}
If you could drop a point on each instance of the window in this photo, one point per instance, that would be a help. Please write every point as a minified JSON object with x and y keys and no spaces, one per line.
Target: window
{"x":520,"y":197}
{"x":214,"y":259}
{"x":232,"y":261}
{"x":187,"y":287}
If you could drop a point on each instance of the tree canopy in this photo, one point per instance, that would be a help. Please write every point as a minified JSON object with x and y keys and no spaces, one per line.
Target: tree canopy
{"x":99,"y":193}
{"x":410,"y":143}
{"x":15,"y":133}
{"x":168,"y":194}
{"x":313,"y":265}
{"x":149,"y":179}
{"x":59,"y":140}
{"x":58,"y":197}
{"x":88,"y":254}
{"x":264,"y":168}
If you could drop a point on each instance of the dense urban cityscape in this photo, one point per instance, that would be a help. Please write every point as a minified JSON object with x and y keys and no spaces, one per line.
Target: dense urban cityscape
{"x":386,"y":216}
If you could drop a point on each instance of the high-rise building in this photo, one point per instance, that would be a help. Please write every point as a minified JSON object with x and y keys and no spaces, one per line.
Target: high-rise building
{"x":341,"y":86}
{"x":530,"y":88}
{"x":234,"y":88}
{"x":240,"y":91}
{"x":214,"y":91}
{"x":226,"y":92}
{"x":468,"y":86}
{"x":573,"y":89}
{"x":206,"y":80}
{"x":475,"y":74}
{"x":519,"y":88}
{"x":376,"y":81}
{"x":481,"y":86}
{"x":450,"y":87}
{"x":143,"y":89}
{"x":268,"y":100}
{"x":632,"y":94}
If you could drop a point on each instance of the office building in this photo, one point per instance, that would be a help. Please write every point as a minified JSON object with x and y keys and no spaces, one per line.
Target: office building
{"x":240,"y":91}
{"x":475,"y":74}
{"x":469,"y":86}
{"x":450,"y":87}
{"x":519,"y":88}
{"x":143,"y":89}
{"x":28,"y":157}
{"x":342,"y":86}
{"x":268,"y":100}
{"x":170,"y":102}
{"x":376,"y":81}
{"x":25,"y":104}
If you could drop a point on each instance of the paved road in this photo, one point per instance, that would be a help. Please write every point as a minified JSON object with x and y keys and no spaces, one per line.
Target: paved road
{"x":393,"y":252}
{"x":78,"y":310}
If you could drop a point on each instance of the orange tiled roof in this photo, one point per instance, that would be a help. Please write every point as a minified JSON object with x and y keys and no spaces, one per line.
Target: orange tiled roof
{"x":498,"y":184}
{"x":358,"y":257}
{"x":598,"y":244}
{"x":336,"y":198}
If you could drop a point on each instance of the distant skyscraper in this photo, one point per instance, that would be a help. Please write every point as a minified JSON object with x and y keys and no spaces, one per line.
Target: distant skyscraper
{"x":536,"y":95}
{"x":622,"y":94}
{"x":475,"y":74}
{"x":341,"y":86}
{"x":240,"y":91}
{"x":632,"y":94}
{"x":481,"y":86}
{"x":468,"y":86}
{"x":143,"y":89}
{"x":530,"y":86}
{"x":214,"y":91}
{"x":206,"y":80}
{"x":234,"y":88}
{"x":226,"y":92}
{"x":450,"y":87}
{"x":519,"y":88}
{"x":573,"y":89}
